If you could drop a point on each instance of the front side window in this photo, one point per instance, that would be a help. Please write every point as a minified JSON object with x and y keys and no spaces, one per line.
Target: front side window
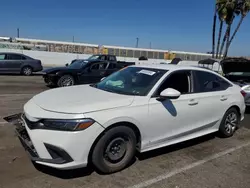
{"x":209,"y":82}
{"x":179,"y":80}
{"x":98,"y":66}
{"x":77,"y":64}
{"x":131,"y":81}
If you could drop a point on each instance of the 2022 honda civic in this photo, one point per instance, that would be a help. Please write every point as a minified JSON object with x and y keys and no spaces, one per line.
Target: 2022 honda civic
{"x":137,"y":108}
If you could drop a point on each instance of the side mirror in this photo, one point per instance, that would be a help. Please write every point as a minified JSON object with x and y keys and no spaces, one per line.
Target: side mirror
{"x":169,"y":93}
{"x":103,"y":78}
{"x":66,"y":64}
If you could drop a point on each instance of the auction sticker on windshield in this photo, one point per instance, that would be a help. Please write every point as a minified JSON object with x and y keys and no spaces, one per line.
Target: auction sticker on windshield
{"x":147,"y":72}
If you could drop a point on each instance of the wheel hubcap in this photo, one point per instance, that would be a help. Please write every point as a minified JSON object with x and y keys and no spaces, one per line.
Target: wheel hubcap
{"x":67,"y":82}
{"x":231,"y":122}
{"x":115,"y":150}
{"x":27,"y":71}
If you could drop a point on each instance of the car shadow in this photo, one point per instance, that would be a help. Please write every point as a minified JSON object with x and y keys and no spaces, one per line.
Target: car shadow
{"x":64,"y":174}
{"x":247,"y":111}
{"x":72,"y":174}
{"x":169,"y":106}
{"x":175,"y":147}
{"x":82,"y":172}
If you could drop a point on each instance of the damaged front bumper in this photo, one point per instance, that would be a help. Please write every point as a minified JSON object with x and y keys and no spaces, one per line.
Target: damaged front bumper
{"x":58,"y":155}
{"x":18,"y":121}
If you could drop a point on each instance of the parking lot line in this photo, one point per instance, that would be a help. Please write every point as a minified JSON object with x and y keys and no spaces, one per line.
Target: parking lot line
{"x":188,"y":167}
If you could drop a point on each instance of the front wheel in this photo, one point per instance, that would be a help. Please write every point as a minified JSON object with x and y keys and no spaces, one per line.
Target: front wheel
{"x":115,"y":150}
{"x":66,"y":80}
{"x":229,"y":123}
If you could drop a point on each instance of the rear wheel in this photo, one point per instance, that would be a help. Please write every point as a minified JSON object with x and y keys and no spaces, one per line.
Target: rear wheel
{"x":115,"y":150}
{"x":66,"y":80}
{"x":27,"y":70}
{"x":229,"y":123}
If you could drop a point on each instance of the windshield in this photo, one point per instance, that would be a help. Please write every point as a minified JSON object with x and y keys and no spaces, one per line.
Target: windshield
{"x":131,"y":81}
{"x":93,"y":57}
{"x":77,"y":64}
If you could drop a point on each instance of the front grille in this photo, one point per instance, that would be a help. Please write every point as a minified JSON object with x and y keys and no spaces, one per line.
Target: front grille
{"x":25,"y":139}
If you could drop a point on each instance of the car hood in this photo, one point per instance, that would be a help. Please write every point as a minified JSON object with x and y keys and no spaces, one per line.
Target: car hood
{"x":55,"y":69}
{"x":80,"y":99}
{"x":235,"y":65}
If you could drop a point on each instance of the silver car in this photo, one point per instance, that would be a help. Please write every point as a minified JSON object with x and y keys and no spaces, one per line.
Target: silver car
{"x":19,"y":63}
{"x":237,"y":70}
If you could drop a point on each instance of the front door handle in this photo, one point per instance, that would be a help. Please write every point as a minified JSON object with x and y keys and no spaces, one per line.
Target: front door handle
{"x":223,"y":98}
{"x":193,"y":102}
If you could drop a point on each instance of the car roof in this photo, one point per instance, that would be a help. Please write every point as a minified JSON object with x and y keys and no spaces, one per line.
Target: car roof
{"x":11,"y":53}
{"x":172,"y":67}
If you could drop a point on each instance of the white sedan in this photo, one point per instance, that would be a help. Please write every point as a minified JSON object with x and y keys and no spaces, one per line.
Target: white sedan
{"x":137,"y":108}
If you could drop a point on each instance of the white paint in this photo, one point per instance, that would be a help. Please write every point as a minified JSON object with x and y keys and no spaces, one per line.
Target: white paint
{"x":188,"y":167}
{"x":84,"y":101}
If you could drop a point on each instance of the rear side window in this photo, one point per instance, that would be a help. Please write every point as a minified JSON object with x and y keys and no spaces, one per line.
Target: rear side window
{"x":209,"y":82}
{"x":15,"y":57}
{"x":2,"y":56}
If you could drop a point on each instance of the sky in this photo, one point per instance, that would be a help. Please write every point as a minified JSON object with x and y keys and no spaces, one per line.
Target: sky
{"x":184,"y":25}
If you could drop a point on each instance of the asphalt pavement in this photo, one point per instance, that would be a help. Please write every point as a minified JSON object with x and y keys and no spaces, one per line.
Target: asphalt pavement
{"x":207,"y":162}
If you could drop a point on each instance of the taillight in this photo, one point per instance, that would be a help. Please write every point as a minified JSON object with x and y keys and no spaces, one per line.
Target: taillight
{"x":243,"y":93}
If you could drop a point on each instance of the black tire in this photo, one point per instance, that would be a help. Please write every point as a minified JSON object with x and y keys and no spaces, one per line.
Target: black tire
{"x":103,"y":159}
{"x":27,"y":70}
{"x":230,"y":123}
{"x":66,"y":80}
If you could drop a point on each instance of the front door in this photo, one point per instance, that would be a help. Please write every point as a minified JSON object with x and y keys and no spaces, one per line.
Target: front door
{"x":13,"y":62}
{"x":94,"y":73}
{"x":174,"y":118}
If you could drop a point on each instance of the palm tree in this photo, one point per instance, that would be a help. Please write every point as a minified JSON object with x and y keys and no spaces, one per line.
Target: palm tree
{"x":214,"y":28}
{"x":222,"y":12}
{"x":229,"y":13}
{"x":244,"y":8}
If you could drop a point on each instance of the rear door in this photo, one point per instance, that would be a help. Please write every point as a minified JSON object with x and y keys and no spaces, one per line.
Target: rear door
{"x":213,"y":94}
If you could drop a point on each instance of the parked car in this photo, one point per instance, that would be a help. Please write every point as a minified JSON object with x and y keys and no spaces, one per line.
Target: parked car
{"x":104,"y":57}
{"x":19,"y":63}
{"x":80,"y":72}
{"x":237,"y":70}
{"x":137,"y":108}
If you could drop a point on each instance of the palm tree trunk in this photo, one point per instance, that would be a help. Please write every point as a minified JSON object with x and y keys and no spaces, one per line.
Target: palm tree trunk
{"x":223,"y":42}
{"x":219,"y":37}
{"x":228,"y":40}
{"x":214,"y":28}
{"x":236,"y":30}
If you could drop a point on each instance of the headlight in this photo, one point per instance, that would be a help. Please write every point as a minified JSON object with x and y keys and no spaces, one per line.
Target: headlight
{"x":64,"y":125}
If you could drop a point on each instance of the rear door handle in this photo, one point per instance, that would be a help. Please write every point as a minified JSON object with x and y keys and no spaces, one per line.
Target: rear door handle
{"x":223,"y":98}
{"x":193,"y":102}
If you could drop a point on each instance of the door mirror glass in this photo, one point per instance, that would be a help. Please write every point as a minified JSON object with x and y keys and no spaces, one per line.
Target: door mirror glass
{"x":66,"y":64}
{"x":169,"y":93}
